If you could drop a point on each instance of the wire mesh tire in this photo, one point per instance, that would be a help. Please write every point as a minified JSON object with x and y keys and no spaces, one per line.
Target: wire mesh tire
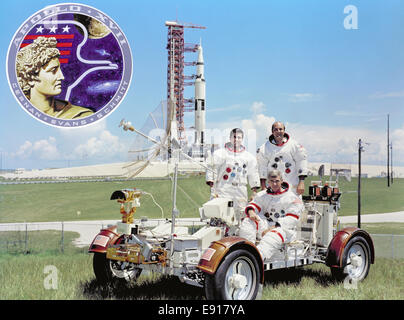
{"x":355,"y":261}
{"x":237,"y":278}
{"x":107,"y":270}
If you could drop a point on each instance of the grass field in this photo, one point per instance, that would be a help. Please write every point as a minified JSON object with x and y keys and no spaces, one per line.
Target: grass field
{"x":90,"y":200}
{"x":63,"y":201}
{"x":376,"y":197}
{"x":25,"y":277}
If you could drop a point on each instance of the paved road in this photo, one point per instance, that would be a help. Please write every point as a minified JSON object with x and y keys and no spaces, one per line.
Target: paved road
{"x":88,"y":229}
{"x":375,"y":218}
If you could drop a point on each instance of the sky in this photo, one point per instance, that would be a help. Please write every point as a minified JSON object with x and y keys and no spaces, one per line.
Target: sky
{"x":331,"y":76}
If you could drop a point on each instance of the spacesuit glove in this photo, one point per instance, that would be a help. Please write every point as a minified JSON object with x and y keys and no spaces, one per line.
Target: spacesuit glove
{"x":253,"y":216}
{"x":300,"y":187}
{"x":267,"y":230}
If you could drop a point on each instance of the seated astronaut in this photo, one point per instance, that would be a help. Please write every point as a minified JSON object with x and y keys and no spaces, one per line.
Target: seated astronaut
{"x":272,"y":216}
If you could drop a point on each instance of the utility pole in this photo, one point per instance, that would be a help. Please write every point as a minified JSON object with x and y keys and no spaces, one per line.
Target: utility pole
{"x":360,"y":149}
{"x":391,"y":162}
{"x":388,"y":150}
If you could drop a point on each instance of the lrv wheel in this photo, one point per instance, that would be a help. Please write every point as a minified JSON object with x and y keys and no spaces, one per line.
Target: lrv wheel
{"x":106,"y":270}
{"x":355,"y":260}
{"x":237,"y":278}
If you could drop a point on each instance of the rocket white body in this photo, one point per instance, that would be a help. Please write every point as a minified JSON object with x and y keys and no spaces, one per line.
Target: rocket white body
{"x":200,"y":96}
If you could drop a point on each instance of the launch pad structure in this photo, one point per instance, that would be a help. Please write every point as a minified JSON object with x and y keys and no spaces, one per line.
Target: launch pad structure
{"x":176,"y":83}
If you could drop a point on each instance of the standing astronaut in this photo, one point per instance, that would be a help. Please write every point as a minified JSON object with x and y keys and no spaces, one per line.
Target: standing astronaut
{"x":272,"y":216}
{"x":230,"y":169}
{"x":285,"y":154}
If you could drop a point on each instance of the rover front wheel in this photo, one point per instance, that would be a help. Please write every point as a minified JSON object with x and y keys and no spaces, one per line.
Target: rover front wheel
{"x":107,"y":270}
{"x":237,"y":278}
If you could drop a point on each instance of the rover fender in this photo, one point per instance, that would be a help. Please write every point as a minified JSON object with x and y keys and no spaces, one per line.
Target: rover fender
{"x":103,"y":239}
{"x":338,"y":244}
{"x":213,"y":256}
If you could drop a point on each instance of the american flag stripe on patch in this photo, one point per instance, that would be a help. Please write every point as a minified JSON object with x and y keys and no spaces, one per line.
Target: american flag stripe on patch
{"x":57,"y":36}
{"x":63,"y":59}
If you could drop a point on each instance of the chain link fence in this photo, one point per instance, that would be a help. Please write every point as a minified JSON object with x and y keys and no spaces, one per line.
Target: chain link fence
{"x":61,"y":236}
{"x":58,"y":237}
{"x":388,"y":245}
{"x":66,"y":236}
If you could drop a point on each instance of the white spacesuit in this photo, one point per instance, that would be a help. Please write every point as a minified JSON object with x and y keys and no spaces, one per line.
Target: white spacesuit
{"x":289,"y":157}
{"x":280,"y":210}
{"x":230,"y":171}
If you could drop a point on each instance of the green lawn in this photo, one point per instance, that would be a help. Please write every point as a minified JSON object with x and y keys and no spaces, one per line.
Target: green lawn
{"x":25,"y":277}
{"x":376,"y":197}
{"x":90,"y":200}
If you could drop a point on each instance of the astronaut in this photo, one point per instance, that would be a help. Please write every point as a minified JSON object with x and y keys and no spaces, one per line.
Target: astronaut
{"x":272,"y":216}
{"x":285,"y":154}
{"x":230,"y":169}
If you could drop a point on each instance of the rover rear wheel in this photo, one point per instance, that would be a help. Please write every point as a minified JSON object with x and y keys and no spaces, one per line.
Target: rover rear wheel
{"x":355,"y":261}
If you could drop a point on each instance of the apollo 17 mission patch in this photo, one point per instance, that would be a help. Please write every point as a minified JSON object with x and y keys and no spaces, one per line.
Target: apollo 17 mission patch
{"x":69,"y":65}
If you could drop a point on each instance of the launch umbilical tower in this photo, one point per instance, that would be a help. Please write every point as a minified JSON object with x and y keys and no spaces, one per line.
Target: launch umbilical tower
{"x":176,"y":83}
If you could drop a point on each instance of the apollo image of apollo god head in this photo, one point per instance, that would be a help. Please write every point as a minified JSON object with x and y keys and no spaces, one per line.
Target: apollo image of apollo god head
{"x":40,"y":78}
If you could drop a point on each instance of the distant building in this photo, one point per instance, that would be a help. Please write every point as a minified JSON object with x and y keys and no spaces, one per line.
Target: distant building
{"x":363,"y":175}
{"x":342,"y":172}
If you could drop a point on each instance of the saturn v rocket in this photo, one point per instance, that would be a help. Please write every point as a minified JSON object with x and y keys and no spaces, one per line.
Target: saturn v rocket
{"x":200,"y":96}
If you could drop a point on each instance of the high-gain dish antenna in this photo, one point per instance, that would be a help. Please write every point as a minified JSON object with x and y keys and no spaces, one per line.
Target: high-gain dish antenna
{"x":151,"y":141}
{"x":158,"y":139}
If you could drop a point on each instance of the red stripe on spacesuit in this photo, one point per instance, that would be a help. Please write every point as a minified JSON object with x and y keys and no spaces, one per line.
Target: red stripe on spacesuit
{"x":274,"y":231}
{"x":246,"y":211}
{"x":285,"y":188}
{"x":255,"y":205}
{"x":230,"y":148}
{"x":251,"y":206}
{"x":285,"y":135}
{"x":292,"y":215}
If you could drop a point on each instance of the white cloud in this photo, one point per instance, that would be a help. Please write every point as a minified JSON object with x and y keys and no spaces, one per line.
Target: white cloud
{"x":340,"y":144}
{"x":397,"y":140}
{"x":383,"y":95}
{"x":103,"y":146}
{"x":258,"y":107}
{"x":256,"y":129}
{"x":303,"y":97}
{"x":88,"y":131}
{"x":24,"y":151}
{"x":94,"y":143}
{"x":323,"y":143}
{"x":44,"y":149}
